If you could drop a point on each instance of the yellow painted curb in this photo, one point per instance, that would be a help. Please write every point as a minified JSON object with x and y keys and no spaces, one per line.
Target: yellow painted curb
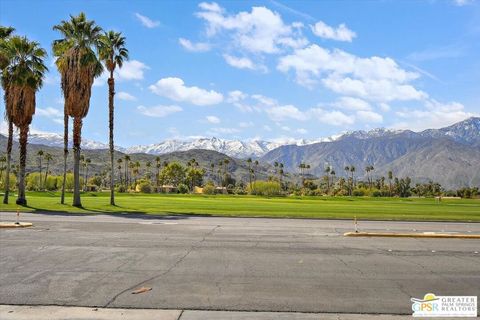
{"x":412,"y":235}
{"x":15,"y":225}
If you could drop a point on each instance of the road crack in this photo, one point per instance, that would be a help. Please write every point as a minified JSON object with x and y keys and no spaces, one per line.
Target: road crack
{"x":193,"y":247}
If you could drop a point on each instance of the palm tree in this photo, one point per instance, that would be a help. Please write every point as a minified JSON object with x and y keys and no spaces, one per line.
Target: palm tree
{"x":78,"y":66}
{"x":40,"y":156}
{"x":212,"y":169}
{"x":3,"y":159}
{"x":119,"y":162}
{"x":86,"y":162}
{"x":127,"y":159}
{"x":256,"y":163}
{"x":148,"y":165}
{"x":22,"y":77}
{"x":158,"y":165}
{"x":48,"y":158}
{"x":5,"y":33}
{"x":112,"y":52}
{"x":390,"y":177}
{"x":249,"y":162}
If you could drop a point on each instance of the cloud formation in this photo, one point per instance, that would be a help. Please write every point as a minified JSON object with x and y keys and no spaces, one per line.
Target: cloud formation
{"x":175,"y":89}
{"x":341,"y":33}
{"x":146,"y":21}
{"x":194,"y":47}
{"x":160,"y":111}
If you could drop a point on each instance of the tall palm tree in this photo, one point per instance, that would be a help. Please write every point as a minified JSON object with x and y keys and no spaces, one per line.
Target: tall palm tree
{"x":119,"y":162}
{"x":158,"y":165}
{"x":148,"y":165}
{"x":127,"y":159}
{"x":256,"y":163}
{"x":249,"y":162}
{"x":112,"y":53}
{"x":22,"y":77}
{"x":86,"y":163}
{"x":40,"y":157}
{"x":5,"y":33}
{"x":48,"y":158}
{"x":78,"y":65}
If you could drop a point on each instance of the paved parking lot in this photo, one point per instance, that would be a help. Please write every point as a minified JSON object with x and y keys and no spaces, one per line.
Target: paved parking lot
{"x":231,"y":264}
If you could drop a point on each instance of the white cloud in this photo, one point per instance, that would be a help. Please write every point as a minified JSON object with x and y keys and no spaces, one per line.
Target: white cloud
{"x":49,"y":112}
{"x":374,"y":78}
{"x":267,"y":128}
{"x":369,"y":116}
{"x":146,"y":21}
{"x":246,"y":124}
{"x":241,"y":62}
{"x":281,"y":113}
{"x":158,"y":111}
{"x":175,"y":89}
{"x":122,"y":95}
{"x":224,"y":130}
{"x":434,"y":115}
{"x":258,"y":31}
{"x":286,"y":128}
{"x":349,"y":103}
{"x":194,"y":47}
{"x":264,"y":100}
{"x":384,"y":107}
{"x":341,"y":33}
{"x":213,"y":119}
{"x":302,"y":131}
{"x":376,"y":90}
{"x":131,"y":70}
{"x":336,"y":118}
{"x":236,"y":96}
{"x":461,"y":3}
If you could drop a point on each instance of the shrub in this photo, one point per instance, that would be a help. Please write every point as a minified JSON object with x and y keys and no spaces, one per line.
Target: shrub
{"x":265,"y":188}
{"x":359,"y":192}
{"x":12,"y":182}
{"x":209,"y":189}
{"x":182,"y":188}
{"x":144,"y":187}
{"x":377,"y":193}
{"x":121,"y":189}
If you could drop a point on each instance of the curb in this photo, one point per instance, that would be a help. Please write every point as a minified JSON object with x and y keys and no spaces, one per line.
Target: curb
{"x":412,"y":235}
{"x":15,"y":225}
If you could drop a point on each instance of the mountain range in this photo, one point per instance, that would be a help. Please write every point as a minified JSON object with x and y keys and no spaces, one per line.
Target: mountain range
{"x":450,"y":155}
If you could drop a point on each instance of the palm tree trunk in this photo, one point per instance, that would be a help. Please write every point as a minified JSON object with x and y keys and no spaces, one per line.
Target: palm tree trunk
{"x":65,"y":155}
{"x":40,"y":175}
{"x":9,"y":158}
{"x":21,"y":200}
{"x":46,"y":175}
{"x":77,"y":138}
{"x":111,"y":94}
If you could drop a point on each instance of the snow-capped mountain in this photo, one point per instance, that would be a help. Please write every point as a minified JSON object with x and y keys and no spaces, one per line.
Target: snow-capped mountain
{"x":233,"y":148}
{"x":467,"y":131}
{"x":374,"y":133}
{"x":56,"y":140}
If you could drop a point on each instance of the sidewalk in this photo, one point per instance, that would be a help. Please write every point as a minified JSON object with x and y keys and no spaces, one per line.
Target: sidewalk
{"x":9,"y":312}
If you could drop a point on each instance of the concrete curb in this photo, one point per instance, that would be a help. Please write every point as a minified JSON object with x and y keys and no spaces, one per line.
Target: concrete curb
{"x":15,"y":225}
{"x":19,"y":312}
{"x":412,"y":235}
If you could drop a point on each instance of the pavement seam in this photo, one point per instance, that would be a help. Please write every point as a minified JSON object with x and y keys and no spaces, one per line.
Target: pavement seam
{"x":180,"y":315}
{"x":193,"y":247}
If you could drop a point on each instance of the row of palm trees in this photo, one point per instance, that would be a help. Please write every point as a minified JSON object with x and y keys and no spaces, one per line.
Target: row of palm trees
{"x":81,"y":54}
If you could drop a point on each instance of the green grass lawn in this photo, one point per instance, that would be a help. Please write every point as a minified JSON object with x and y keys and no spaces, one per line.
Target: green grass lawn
{"x":253,"y":206}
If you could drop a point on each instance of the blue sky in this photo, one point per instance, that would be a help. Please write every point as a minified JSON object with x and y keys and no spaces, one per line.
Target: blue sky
{"x":273,"y":70}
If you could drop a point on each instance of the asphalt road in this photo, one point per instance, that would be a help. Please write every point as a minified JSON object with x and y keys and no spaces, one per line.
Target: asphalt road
{"x":208,"y":263}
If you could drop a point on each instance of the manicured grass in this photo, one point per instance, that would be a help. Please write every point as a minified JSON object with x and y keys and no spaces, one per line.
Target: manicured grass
{"x":252,"y":206}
